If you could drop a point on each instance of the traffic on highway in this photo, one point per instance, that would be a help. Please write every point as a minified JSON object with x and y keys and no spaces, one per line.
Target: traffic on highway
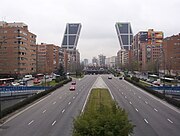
{"x":53,"y":115}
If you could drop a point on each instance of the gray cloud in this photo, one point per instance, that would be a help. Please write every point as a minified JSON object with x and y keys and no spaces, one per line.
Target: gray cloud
{"x":48,"y":18}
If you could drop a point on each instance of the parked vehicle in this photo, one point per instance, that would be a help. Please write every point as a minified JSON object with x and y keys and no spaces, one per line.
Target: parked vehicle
{"x":6,"y":81}
{"x":27,"y":77}
{"x":36,"y":81}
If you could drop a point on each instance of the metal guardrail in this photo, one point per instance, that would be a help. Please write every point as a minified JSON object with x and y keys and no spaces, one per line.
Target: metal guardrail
{"x":177,"y":88}
{"x":22,"y":88}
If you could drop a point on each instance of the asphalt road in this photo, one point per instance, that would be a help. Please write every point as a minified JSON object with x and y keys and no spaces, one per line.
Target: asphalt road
{"x":52,"y":115}
{"x":152,"y":117}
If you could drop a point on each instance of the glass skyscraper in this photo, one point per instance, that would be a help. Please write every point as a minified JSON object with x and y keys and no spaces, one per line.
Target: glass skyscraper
{"x":71,"y":36}
{"x":125,"y":35}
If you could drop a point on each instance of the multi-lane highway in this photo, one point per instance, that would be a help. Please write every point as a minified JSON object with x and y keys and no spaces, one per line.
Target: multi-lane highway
{"x":53,"y":115}
{"x":152,"y":117}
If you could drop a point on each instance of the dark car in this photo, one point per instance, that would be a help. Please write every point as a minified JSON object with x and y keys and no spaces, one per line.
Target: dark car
{"x":73,"y":83}
{"x":109,"y":77}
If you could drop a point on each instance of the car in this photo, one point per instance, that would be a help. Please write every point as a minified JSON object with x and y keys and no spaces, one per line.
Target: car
{"x":27,"y":77}
{"x":22,"y":83}
{"x":72,"y":88}
{"x":73,"y":83}
{"x":36,"y":81}
{"x":15,"y":84}
{"x":109,"y":77}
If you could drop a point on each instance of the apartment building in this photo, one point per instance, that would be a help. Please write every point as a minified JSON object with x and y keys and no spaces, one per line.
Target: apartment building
{"x":146,"y":49}
{"x":47,"y":58}
{"x":17,"y":50}
{"x":170,"y":58}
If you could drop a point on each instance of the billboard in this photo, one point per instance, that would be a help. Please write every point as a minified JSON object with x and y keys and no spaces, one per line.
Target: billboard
{"x":159,"y":35}
{"x":143,"y":36}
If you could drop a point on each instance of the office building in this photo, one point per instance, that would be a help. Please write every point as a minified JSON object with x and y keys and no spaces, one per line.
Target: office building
{"x":69,"y":45}
{"x":111,"y":61}
{"x":125,"y":35}
{"x":94,"y":61}
{"x":86,"y":62}
{"x":71,"y":36}
{"x":17,"y":50}
{"x":102,"y":59}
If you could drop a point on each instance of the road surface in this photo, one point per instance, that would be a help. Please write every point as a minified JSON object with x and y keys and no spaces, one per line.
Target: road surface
{"x":54,"y":114}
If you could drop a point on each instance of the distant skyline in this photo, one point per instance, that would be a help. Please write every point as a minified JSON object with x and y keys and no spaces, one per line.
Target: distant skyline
{"x":47,"y":19}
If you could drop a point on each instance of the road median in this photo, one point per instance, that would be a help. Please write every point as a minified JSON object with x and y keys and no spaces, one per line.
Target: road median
{"x":102,"y":116}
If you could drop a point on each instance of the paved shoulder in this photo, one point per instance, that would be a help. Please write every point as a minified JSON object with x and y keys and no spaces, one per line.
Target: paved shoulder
{"x":99,"y":83}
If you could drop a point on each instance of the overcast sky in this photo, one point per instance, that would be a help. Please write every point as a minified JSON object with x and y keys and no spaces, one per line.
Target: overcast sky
{"x":47,"y":19}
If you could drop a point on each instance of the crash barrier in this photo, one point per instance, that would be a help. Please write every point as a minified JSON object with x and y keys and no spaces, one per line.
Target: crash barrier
{"x":22,"y":88}
{"x":155,"y":93}
{"x":32,"y":99}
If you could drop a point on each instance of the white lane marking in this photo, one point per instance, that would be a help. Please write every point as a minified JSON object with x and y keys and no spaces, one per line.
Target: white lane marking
{"x":130,"y":102}
{"x":125,"y":97}
{"x":146,"y":121}
{"x":25,"y":110}
{"x":155,"y":98}
{"x":155,"y":109}
{"x":44,"y":111}
{"x":63,"y":111}
{"x":122,"y":92}
{"x":170,"y":121}
{"x":139,"y":97}
{"x":77,"y":93}
{"x":137,"y":110}
{"x":30,"y":122}
{"x":54,"y":102}
{"x":53,"y":123}
{"x":146,"y":102}
{"x":88,"y":96}
{"x":74,"y":97}
{"x":69,"y":103}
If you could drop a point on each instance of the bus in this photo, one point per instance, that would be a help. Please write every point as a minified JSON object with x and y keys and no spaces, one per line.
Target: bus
{"x":6,"y":81}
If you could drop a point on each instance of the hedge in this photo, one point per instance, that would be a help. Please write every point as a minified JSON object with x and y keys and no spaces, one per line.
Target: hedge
{"x":31,"y":99}
{"x":155,"y":93}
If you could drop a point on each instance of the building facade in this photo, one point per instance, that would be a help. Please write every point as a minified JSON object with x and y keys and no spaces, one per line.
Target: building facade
{"x":122,"y":58}
{"x":146,"y":50}
{"x":102,"y":59}
{"x":170,"y":58}
{"x":125,"y":34}
{"x":17,"y":50}
{"x":94,"y":61}
{"x":47,"y":58}
{"x":69,"y":45}
{"x":111,"y":61}
{"x":71,"y":36}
